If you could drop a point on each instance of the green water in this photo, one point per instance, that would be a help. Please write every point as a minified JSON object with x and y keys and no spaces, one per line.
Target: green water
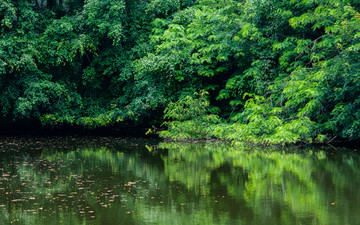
{"x":134,"y":181}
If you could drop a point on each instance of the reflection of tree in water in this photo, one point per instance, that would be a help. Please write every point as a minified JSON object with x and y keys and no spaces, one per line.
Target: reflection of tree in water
{"x":279,"y":187}
{"x":71,"y":186}
{"x":185,"y":184}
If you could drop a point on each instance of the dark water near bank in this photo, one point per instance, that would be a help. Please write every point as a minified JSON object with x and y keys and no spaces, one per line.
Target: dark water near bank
{"x":135,"y":181}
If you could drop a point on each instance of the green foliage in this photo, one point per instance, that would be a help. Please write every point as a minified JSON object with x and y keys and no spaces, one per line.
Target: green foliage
{"x":313,"y":88}
{"x":191,"y":118}
{"x":98,"y":63}
{"x":71,"y":62}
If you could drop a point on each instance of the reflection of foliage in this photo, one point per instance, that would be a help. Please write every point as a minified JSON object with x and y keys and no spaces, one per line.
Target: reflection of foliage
{"x":199,"y":164}
{"x":204,"y":183}
{"x":293,"y":182}
{"x":74,"y":185}
{"x":94,"y":157}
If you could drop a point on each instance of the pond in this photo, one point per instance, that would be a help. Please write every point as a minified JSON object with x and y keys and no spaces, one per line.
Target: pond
{"x":94,"y":180}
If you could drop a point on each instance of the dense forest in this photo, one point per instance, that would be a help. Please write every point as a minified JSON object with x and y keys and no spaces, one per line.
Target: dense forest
{"x":260,"y":71}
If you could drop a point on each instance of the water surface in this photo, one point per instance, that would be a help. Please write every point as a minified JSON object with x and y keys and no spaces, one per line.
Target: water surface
{"x":136,"y":181}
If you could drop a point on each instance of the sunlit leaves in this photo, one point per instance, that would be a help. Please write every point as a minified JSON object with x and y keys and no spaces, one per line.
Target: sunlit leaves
{"x":8,"y":14}
{"x":190,"y":118}
{"x":95,"y":63}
